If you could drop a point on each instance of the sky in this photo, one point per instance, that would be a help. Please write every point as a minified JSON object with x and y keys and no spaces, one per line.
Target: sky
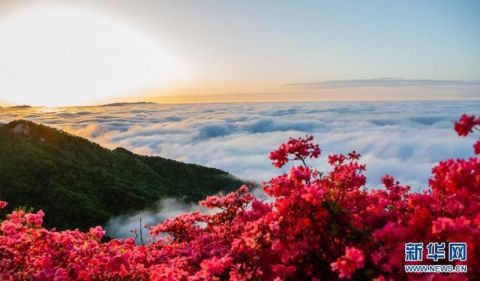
{"x":89,"y":52}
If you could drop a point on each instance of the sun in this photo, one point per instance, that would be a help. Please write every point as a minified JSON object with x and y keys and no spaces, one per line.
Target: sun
{"x":57,"y":56}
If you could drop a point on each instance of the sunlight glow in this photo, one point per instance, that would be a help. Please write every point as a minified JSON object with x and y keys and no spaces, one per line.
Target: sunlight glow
{"x":62,"y":56}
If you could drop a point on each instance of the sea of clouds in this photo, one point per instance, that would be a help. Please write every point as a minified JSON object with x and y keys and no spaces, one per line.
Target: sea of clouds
{"x":403,"y":139}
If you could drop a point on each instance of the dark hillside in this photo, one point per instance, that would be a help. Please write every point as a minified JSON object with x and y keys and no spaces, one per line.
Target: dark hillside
{"x":80,"y":184}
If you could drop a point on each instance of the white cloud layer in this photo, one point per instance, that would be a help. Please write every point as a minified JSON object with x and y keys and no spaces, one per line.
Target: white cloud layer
{"x":404,"y":139}
{"x":124,"y":226}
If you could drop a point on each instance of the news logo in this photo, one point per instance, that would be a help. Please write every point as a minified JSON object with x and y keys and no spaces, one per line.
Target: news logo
{"x":413,"y":251}
{"x":457,"y":251}
{"x":435,"y":251}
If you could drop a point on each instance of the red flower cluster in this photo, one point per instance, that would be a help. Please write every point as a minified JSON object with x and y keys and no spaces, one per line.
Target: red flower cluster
{"x":349,"y":263}
{"x":466,"y":125}
{"x":300,"y":148}
{"x":320,"y":226}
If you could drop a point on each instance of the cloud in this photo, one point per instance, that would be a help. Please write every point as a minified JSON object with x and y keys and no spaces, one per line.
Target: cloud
{"x":124,"y":226}
{"x":404,"y":139}
{"x":384,"y":82}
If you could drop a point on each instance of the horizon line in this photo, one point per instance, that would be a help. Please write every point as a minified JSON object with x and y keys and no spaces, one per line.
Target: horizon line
{"x":150,"y":102}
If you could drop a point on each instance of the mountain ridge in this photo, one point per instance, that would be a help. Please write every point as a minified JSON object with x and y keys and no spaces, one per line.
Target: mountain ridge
{"x":79,"y":184}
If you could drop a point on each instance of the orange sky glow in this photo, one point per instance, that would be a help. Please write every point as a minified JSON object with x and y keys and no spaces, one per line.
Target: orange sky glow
{"x":65,"y":53}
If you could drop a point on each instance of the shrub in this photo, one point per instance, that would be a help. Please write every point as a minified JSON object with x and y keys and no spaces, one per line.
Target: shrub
{"x":320,"y":226}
